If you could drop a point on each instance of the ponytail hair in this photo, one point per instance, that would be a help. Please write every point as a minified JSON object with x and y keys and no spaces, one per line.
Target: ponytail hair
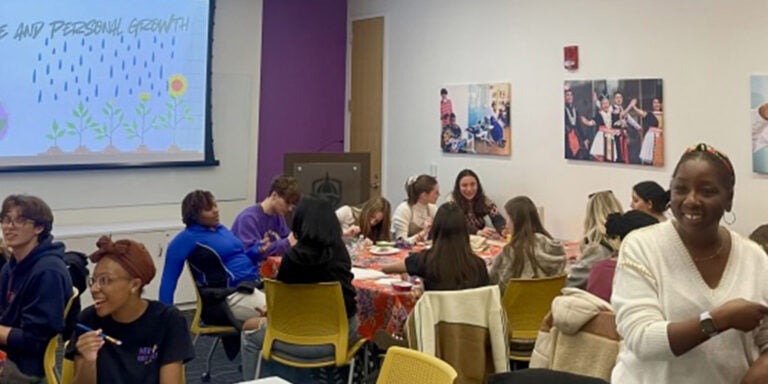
{"x":416,"y":185}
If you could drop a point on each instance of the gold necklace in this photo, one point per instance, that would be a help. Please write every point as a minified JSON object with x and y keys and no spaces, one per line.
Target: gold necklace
{"x":717,"y":253}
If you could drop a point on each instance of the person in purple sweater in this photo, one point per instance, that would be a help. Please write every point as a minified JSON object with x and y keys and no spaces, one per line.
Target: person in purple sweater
{"x":265,"y":221}
{"x":201,"y":216}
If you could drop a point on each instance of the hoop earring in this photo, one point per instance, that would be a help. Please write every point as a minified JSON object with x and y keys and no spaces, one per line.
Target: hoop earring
{"x":729,"y":222}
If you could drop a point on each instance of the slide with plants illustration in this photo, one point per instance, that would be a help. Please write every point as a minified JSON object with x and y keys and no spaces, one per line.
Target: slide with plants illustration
{"x":103,"y":82}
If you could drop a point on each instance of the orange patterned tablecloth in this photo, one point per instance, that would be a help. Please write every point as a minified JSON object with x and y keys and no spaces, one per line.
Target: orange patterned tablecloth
{"x":379,"y":306}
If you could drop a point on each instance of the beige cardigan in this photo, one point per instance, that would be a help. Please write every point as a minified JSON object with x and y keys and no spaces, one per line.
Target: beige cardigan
{"x":578,"y":336}
{"x":474,"y":316}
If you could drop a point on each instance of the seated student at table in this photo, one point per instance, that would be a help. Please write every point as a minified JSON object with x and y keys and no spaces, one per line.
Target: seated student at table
{"x":531,"y":252}
{"x":690,"y":294}
{"x":370,"y":220}
{"x":318,"y":256}
{"x":450,"y":264}
{"x":34,"y":288}
{"x":267,"y":218}
{"x":597,"y":245}
{"x":600,"y":280}
{"x":154,"y":338}
{"x":201,"y":216}
{"x":469,"y":196}
{"x":412,"y":218}
{"x":651,"y":198}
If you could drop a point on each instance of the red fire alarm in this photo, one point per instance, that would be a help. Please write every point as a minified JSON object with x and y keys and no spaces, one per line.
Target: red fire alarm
{"x":571,"y":57}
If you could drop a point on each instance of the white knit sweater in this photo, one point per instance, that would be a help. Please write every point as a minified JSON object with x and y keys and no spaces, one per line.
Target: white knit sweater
{"x":408,"y":220}
{"x":657,"y":283}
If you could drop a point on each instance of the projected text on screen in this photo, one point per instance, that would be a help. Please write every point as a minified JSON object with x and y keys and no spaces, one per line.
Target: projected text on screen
{"x":103,"y":82}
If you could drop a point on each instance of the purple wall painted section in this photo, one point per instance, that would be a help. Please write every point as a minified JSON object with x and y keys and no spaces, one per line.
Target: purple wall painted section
{"x":303,"y":59}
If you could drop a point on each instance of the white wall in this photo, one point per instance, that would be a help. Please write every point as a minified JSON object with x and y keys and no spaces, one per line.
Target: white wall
{"x":236,"y":64}
{"x":704,"y":50}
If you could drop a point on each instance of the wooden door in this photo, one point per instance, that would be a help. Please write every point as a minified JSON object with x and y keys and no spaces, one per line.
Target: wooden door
{"x":365,"y":104}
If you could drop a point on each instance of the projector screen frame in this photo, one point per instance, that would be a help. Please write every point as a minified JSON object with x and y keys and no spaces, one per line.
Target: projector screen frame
{"x":209,"y":159}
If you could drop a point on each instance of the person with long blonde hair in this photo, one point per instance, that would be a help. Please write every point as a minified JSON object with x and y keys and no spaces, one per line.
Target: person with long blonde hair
{"x":597,"y":245}
{"x":531,"y":252}
{"x":371,"y":219}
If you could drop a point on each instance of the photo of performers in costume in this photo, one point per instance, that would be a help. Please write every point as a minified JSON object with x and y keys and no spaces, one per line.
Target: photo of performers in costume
{"x":475,"y":119}
{"x":618,"y":121}
{"x":759,"y":119}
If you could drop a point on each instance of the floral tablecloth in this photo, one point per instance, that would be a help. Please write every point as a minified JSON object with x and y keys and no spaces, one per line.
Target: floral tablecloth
{"x":379,"y":306}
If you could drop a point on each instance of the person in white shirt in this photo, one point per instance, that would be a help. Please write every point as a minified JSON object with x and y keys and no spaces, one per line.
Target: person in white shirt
{"x":690,"y":295}
{"x":370,"y":220}
{"x":412,"y":219}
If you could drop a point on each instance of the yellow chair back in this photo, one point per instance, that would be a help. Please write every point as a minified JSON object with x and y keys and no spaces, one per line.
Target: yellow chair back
{"x":402,"y":365}
{"x":49,"y":358}
{"x":287,"y":318}
{"x":527,"y":301}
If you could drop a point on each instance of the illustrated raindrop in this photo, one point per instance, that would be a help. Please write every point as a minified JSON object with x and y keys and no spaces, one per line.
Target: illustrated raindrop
{"x":89,"y":75}
{"x":117,"y":90}
{"x":173,"y":41}
{"x":111,"y":72}
{"x":139,"y":81}
{"x":59,"y":64}
{"x":138,"y":44}
{"x":50,"y":82}
{"x":39,"y":57}
{"x":122,"y":66}
{"x":173,"y":54}
{"x":55,"y":96}
{"x":153,"y":56}
{"x":87,"y":99}
{"x":53,"y":51}
{"x":34,"y":76}
{"x":66,"y":86}
{"x":72,"y":68}
{"x":115,"y":52}
{"x":65,"y":46}
{"x":96,"y":91}
{"x":102,"y":58}
{"x":79,"y":91}
{"x":47,"y":69}
{"x":128,"y":48}
{"x":145,"y":63}
{"x":134,"y":61}
{"x":46,"y":41}
{"x":77,"y":79}
{"x":40,"y":96}
{"x":81,"y":60}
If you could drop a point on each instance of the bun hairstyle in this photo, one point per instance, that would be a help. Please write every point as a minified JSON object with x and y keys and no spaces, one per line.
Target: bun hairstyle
{"x":618,"y":225}
{"x":416,"y":185}
{"x":652,"y":192}
{"x":131,"y":255}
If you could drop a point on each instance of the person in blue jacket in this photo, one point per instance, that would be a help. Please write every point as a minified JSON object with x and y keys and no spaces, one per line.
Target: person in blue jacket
{"x":34,"y":288}
{"x":201,"y":216}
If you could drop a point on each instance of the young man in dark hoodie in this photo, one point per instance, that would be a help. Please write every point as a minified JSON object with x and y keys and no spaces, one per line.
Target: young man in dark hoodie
{"x":34,"y":288}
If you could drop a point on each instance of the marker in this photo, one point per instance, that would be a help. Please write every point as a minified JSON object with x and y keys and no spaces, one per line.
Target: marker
{"x":103,"y":336}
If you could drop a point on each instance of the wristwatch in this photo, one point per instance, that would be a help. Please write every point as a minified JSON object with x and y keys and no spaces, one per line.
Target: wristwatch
{"x":707,"y":325}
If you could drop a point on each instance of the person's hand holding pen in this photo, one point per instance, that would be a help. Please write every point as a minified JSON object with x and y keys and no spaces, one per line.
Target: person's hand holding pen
{"x":89,"y":343}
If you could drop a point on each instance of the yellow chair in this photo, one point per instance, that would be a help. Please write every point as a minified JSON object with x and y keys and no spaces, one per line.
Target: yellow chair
{"x":307,"y":315}
{"x":198,"y":328}
{"x":402,"y":365}
{"x":526,"y":302}
{"x":49,"y":358}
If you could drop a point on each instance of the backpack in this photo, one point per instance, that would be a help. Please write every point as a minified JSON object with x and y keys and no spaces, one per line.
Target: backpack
{"x":77,"y":265}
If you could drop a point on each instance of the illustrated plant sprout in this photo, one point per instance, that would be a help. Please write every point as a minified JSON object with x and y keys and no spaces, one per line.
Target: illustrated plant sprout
{"x":115,"y":120}
{"x":177,"y":112}
{"x":138,"y":129}
{"x":56,"y":133}
{"x":84,"y":123}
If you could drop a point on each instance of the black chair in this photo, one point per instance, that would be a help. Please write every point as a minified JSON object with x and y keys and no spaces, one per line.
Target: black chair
{"x":541,"y":376}
{"x":213,"y":317}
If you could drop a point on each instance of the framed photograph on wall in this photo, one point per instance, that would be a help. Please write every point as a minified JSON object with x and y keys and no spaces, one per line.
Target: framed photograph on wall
{"x":615,"y":121}
{"x":758,"y":85}
{"x":475,"y":119}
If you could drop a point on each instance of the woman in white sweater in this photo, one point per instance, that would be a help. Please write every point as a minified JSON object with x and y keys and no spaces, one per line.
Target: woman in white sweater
{"x":371,"y":220}
{"x":689,"y":294}
{"x":412,"y":219}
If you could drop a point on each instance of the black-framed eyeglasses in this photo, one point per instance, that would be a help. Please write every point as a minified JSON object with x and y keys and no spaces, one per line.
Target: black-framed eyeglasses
{"x":595,"y":193}
{"x":15,"y":222}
